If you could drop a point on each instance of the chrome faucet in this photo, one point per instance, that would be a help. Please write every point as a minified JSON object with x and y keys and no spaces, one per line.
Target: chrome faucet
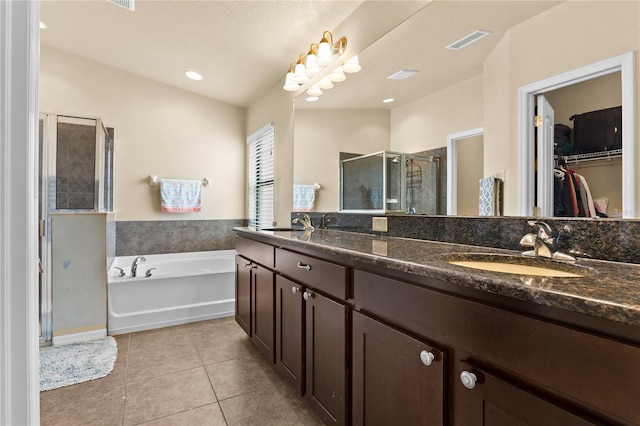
{"x":305,"y":221}
{"x":544,"y":243}
{"x":134,"y":265}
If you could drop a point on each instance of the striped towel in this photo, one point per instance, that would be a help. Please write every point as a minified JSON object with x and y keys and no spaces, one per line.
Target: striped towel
{"x":180,"y":196}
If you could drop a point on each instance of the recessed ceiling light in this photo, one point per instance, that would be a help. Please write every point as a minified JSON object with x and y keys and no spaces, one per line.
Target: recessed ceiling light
{"x":402,"y":74}
{"x":467,"y":40}
{"x":43,"y":26}
{"x":193,"y":75}
{"x":312,"y":98}
{"x":388,"y":100}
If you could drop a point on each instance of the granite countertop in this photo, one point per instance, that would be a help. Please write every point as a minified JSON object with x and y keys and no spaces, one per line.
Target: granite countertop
{"x":609,"y":290}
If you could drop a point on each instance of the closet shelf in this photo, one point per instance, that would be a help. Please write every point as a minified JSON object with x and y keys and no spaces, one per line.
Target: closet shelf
{"x":590,"y":156}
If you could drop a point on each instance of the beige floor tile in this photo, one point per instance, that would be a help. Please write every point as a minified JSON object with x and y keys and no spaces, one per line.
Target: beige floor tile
{"x":165,"y":395}
{"x":265,"y":407}
{"x":209,"y":415}
{"x":238,"y":376}
{"x":92,"y":403}
{"x":151,"y":357}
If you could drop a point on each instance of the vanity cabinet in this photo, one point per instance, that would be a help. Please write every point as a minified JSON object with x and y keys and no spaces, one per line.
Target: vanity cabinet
{"x":312,"y":332}
{"x":397,"y":379}
{"x":255,"y":293}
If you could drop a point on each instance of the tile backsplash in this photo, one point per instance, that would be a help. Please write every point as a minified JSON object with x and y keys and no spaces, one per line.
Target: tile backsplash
{"x":604,"y":239}
{"x":175,"y":236}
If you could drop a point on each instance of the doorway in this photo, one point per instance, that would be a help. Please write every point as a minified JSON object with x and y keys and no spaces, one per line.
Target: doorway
{"x":457,"y":142}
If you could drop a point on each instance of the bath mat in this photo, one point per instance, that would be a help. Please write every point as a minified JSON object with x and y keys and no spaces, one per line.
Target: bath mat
{"x":76,"y":362}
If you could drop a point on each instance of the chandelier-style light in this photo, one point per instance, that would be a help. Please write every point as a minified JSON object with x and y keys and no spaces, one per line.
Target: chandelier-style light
{"x":320,"y":55}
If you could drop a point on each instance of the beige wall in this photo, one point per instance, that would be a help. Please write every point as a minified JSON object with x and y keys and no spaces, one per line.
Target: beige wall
{"x":470,"y":171}
{"x":321,"y":135}
{"x":424,"y":124}
{"x":569,"y":36}
{"x":159,"y":130}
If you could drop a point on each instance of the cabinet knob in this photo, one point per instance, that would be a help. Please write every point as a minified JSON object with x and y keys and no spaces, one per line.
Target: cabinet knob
{"x":427,"y":357}
{"x":294,"y":289}
{"x":303,"y":266}
{"x":307,"y":295}
{"x":468,"y":379}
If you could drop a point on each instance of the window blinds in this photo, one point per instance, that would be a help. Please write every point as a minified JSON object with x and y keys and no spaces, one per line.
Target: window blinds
{"x":261,"y":175}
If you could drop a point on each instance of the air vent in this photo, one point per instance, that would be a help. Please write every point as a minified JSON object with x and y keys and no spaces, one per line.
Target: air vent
{"x":467,"y":40}
{"x":127,"y":4}
{"x":402,"y":74}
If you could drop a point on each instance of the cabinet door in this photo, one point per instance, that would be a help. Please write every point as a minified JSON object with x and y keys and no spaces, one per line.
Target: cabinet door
{"x":396,"y":379}
{"x":486,"y":399}
{"x":289,"y":331}
{"x":326,"y":357}
{"x":243,"y":293}
{"x":263,"y":312}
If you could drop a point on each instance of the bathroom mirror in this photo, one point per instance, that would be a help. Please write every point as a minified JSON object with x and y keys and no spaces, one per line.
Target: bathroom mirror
{"x":475,"y":87}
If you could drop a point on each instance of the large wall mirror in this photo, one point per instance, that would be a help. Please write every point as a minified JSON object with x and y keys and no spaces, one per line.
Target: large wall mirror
{"x":475,"y":87}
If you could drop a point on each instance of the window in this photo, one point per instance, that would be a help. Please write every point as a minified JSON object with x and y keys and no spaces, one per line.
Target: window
{"x":261,"y":174}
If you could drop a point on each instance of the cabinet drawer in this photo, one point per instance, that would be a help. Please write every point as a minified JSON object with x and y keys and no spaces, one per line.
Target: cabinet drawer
{"x":320,"y":274}
{"x":594,"y":370}
{"x":258,"y":252}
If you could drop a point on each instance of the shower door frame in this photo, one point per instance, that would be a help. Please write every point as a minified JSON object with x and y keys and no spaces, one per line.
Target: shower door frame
{"x":47,"y":164}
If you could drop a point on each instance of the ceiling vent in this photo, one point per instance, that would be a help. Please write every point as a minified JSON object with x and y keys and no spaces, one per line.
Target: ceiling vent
{"x":402,"y":74}
{"x":127,"y":4}
{"x":467,"y":40}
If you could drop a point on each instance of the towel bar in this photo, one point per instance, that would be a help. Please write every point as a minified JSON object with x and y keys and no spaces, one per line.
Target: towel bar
{"x":155,"y":180}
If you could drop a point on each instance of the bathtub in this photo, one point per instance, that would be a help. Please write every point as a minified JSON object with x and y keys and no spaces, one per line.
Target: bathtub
{"x":183,"y":288}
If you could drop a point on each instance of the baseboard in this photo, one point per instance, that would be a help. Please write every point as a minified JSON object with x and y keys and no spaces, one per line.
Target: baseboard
{"x":168,"y":323}
{"x":66,"y":339}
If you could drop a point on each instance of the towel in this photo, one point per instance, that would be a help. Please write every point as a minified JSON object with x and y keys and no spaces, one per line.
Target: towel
{"x":490,"y":197}
{"x":180,"y":196}
{"x":304,"y":198}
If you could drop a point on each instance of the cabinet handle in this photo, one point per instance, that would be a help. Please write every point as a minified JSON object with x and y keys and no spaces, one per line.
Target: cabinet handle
{"x":294,"y":289}
{"x":307,"y":295}
{"x":468,"y":379}
{"x":303,"y":266}
{"x":427,"y":357}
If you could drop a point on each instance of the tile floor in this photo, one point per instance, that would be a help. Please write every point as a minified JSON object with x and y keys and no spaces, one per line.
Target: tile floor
{"x":206,"y":373}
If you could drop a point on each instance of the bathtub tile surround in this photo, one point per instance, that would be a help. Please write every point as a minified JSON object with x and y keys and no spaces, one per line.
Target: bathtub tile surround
{"x":208,"y":389}
{"x":603,"y":239}
{"x":175,"y":236}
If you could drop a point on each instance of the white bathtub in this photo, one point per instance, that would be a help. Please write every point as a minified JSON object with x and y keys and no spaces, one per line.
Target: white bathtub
{"x":184,"y":287}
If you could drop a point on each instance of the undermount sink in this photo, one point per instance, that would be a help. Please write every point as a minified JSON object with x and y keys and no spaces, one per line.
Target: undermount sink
{"x":517,"y":265}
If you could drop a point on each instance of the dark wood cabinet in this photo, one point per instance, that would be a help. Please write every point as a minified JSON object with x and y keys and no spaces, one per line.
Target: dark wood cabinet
{"x":488,"y":400}
{"x":262,"y":312}
{"x":243,"y":293}
{"x":397,"y":379}
{"x":326,"y":357}
{"x":290,"y":332}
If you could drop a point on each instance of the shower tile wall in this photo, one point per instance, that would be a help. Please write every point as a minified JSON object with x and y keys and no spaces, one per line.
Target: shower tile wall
{"x":180,"y":236}
{"x":441,"y":153}
{"x":75,"y":167}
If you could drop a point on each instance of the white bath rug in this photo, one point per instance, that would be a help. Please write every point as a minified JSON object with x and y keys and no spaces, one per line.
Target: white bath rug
{"x":76,"y":362}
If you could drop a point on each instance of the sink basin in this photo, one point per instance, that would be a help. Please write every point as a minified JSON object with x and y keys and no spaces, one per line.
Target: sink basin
{"x":517,"y":265}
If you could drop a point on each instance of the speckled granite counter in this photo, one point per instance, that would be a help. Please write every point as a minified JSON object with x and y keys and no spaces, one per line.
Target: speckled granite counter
{"x":611,"y":291}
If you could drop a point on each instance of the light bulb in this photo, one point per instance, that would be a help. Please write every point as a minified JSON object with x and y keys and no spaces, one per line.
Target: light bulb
{"x":352,"y":65}
{"x":314,"y":90}
{"x":325,"y":83}
{"x":300,"y":76}
{"x":337,"y":75}
{"x":312,"y":66}
{"x":324,"y":53}
{"x":289,"y":83}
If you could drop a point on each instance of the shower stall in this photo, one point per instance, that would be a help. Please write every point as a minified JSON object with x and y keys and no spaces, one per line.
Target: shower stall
{"x":390,"y":182}
{"x":75,"y":175}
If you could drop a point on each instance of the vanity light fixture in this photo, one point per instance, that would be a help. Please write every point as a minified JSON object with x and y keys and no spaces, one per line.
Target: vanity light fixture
{"x":193,"y":75}
{"x":318,"y":58}
{"x":312,"y":98}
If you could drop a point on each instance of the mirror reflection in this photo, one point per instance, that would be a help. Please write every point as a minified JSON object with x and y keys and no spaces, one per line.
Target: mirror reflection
{"x":476,"y":87}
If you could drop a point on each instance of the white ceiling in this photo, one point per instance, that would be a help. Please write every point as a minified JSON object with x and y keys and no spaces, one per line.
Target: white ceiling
{"x":242,"y":48}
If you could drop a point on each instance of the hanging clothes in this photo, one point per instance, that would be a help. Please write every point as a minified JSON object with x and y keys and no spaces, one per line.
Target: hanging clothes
{"x":572,"y":197}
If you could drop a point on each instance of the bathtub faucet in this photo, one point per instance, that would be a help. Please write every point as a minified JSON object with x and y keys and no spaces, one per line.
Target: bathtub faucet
{"x":134,"y":265}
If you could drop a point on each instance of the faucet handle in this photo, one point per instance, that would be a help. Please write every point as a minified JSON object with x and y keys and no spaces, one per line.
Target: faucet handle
{"x":544,"y":230}
{"x":122,"y":273}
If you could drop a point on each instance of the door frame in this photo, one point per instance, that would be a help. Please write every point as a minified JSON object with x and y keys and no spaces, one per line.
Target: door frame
{"x":452,"y":166}
{"x":526,"y":142}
